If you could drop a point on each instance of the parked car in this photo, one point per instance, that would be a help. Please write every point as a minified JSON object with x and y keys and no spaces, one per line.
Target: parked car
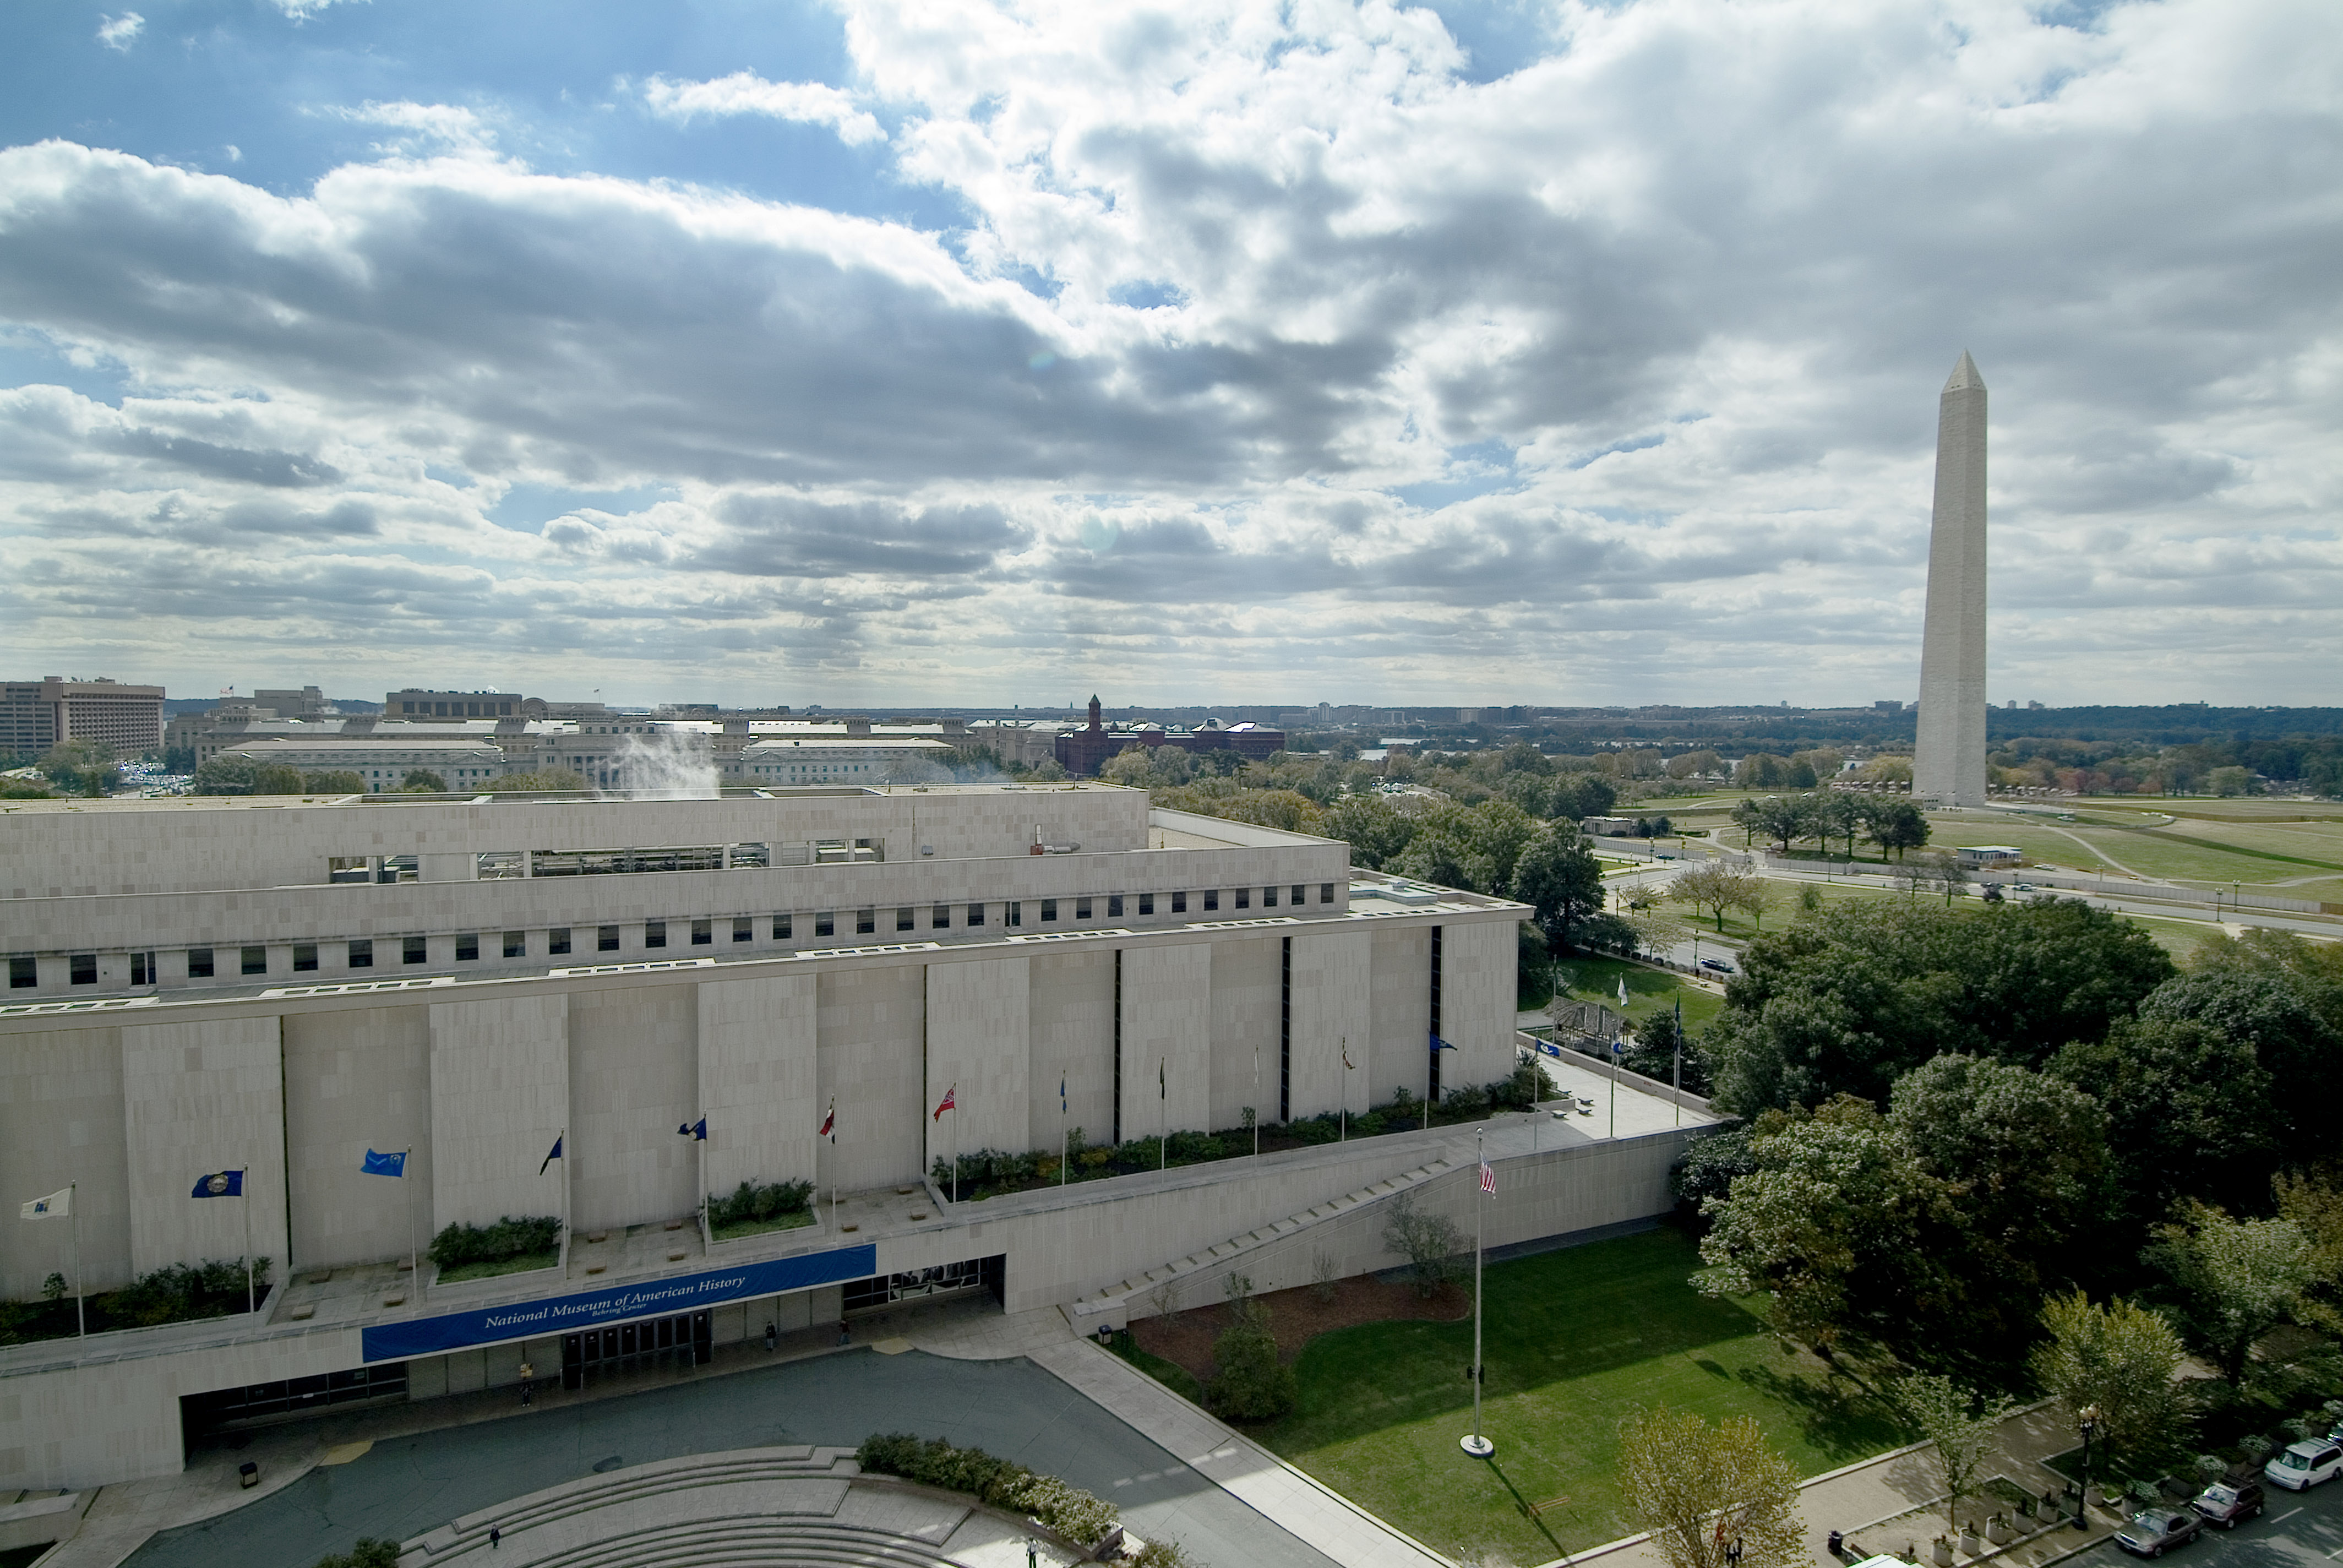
{"x":2224,"y":1505}
{"x":2152,"y":1531}
{"x":2023,"y":886}
{"x":1719,"y":965}
{"x":2304,"y":1465}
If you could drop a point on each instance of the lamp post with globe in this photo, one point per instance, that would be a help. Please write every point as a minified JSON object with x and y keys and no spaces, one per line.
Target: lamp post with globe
{"x":2090,"y":1425}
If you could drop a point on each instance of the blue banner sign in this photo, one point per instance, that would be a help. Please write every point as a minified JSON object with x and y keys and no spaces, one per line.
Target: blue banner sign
{"x":616,"y":1303}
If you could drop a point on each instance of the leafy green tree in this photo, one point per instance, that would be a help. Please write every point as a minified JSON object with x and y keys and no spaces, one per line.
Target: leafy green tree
{"x":1658,"y":1049}
{"x":81,"y":767}
{"x":1249,"y":1383}
{"x":332,"y":781}
{"x":1712,"y":888}
{"x":225,"y":775}
{"x":2020,"y":1159}
{"x":2190,"y":1113}
{"x":1781,"y":818}
{"x":1850,"y":999}
{"x":2235,"y":1278}
{"x":1698,"y":1488}
{"x":1374,"y":830}
{"x":1837,"y":816}
{"x":2293,"y":1042}
{"x":1578,"y":796}
{"x":1963,"y":1426}
{"x":2313,"y":1201}
{"x":368,"y":1552}
{"x":2121,"y":1359}
{"x":1896,"y":825}
{"x":1693,"y":764}
{"x":1432,"y":855}
{"x":1130,"y":768}
{"x":275,"y":778}
{"x":1761,"y":770}
{"x":1558,"y":877}
{"x":1834,"y":1193}
{"x":1430,"y":1242}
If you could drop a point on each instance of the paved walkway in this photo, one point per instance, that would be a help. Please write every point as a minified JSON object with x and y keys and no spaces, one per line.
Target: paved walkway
{"x":1330,"y":1522}
{"x":1022,"y":1387}
{"x":1878,"y":1488}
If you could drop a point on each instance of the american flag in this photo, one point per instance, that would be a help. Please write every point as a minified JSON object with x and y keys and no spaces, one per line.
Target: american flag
{"x":1488,"y":1180}
{"x":950,"y":1103}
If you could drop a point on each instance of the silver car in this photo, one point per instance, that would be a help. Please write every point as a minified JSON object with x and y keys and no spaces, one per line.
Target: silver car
{"x":2152,"y":1531}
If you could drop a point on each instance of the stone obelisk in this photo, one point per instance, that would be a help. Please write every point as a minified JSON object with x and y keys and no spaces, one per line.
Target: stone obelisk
{"x":1948,"y":764}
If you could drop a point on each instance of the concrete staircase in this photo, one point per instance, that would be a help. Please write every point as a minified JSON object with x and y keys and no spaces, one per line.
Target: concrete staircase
{"x":1111,"y":1305}
{"x":795,"y":1504}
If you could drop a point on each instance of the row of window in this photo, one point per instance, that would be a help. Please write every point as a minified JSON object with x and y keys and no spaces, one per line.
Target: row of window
{"x":206,"y":963}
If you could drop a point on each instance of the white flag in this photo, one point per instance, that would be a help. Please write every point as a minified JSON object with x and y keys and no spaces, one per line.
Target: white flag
{"x":1623,"y":993}
{"x":55,"y":1206}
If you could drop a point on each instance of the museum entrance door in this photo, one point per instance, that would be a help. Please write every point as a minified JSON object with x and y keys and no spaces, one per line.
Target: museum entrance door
{"x":685,"y":1339}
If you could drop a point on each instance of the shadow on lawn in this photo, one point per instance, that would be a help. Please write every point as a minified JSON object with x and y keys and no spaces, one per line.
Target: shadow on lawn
{"x":1837,"y":1416}
{"x":1522,"y":1505}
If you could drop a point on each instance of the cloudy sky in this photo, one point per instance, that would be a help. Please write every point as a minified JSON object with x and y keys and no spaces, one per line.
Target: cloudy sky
{"x":991,"y":353}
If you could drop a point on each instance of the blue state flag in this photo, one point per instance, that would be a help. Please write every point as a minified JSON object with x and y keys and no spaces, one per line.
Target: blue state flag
{"x":383,"y":1164}
{"x":219,"y":1184}
{"x":696,"y":1131}
{"x":1439,"y":1044}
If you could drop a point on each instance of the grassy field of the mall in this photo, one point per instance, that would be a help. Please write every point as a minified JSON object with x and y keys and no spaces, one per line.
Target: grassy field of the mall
{"x":1574,"y":1341}
{"x":2294,"y":846}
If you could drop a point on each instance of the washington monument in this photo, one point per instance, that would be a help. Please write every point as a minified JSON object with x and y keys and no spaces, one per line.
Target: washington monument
{"x":1948,"y":764}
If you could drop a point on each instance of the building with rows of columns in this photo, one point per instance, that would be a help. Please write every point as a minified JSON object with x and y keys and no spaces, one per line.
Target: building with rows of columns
{"x":281,"y":986}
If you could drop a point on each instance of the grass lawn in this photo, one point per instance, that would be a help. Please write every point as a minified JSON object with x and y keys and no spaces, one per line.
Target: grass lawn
{"x":1649,"y":990}
{"x":1171,"y":1374}
{"x":1574,"y":1341}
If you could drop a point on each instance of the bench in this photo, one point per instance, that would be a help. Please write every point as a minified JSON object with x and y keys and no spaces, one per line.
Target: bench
{"x":1540,"y":1510}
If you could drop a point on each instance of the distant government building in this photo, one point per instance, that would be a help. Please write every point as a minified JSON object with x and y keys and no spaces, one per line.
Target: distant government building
{"x":349,"y":1024}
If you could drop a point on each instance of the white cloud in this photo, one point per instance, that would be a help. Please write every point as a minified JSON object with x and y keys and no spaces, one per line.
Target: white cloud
{"x":1656,"y":321}
{"x":120,"y":32}
{"x":746,"y":93}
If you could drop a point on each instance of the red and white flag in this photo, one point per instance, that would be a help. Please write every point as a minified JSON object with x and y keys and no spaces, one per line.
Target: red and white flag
{"x":948,"y":1103}
{"x":1488,"y":1180}
{"x":828,"y":1122}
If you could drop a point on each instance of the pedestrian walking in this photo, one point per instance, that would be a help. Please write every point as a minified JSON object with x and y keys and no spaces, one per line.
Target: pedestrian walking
{"x":527,"y":1384}
{"x":842,"y":1330}
{"x":494,"y":1535}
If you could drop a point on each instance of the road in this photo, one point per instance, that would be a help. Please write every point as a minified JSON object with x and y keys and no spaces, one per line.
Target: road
{"x":2302,"y":1529}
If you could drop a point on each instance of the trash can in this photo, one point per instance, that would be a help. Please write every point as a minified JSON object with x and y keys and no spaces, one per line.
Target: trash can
{"x":248,"y":1473}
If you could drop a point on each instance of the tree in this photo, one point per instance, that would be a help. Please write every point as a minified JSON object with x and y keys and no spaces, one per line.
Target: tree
{"x":1965,"y":1427}
{"x":1249,"y":1383}
{"x":2235,"y":1278}
{"x":1376,"y":832}
{"x":2275,"y":1013}
{"x":367,"y":1552}
{"x":1834,"y":1193}
{"x":1430,"y":1242}
{"x":422,"y":781}
{"x":276,"y":778}
{"x":332,"y":781}
{"x":1714,"y":888}
{"x":1434,"y":857}
{"x":1896,"y":825}
{"x":1557,"y":874}
{"x":225,"y":775}
{"x":1753,"y":898}
{"x":1129,"y":768}
{"x":1839,"y":816}
{"x":1852,"y":998}
{"x":1693,"y":764}
{"x":1762,"y":770}
{"x":81,"y":767}
{"x":1780,"y":817}
{"x":1699,"y":1489}
{"x":2121,"y":1359}
{"x":1578,"y":796}
{"x":1653,"y":1047}
{"x":2315,"y":1203}
{"x":2190,"y":1113}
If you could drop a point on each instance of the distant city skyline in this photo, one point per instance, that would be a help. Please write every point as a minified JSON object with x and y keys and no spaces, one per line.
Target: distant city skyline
{"x":1565,"y":353}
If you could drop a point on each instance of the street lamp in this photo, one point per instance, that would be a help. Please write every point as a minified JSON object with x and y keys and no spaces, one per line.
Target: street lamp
{"x":2090,"y":1425}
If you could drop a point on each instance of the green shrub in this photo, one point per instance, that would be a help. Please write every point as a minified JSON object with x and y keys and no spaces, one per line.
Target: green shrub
{"x":181,"y":1293}
{"x":1250,"y":1382}
{"x":753,"y":1201}
{"x":366,"y":1553}
{"x":508,"y":1238}
{"x":996,"y":1483}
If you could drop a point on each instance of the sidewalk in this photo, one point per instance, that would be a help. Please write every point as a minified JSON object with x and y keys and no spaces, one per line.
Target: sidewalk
{"x":1880,"y":1488}
{"x":1235,"y":1463}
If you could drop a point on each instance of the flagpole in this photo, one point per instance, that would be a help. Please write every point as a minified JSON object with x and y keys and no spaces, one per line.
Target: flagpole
{"x":1162,"y":1114}
{"x":1478,"y":1446}
{"x":244,"y":1191}
{"x":954,"y":1092}
{"x":1679,"y":1063}
{"x":73,"y":1218}
{"x":414,"y":1256}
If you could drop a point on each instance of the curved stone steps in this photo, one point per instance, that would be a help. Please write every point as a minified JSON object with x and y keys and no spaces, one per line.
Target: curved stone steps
{"x":723,"y":1543}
